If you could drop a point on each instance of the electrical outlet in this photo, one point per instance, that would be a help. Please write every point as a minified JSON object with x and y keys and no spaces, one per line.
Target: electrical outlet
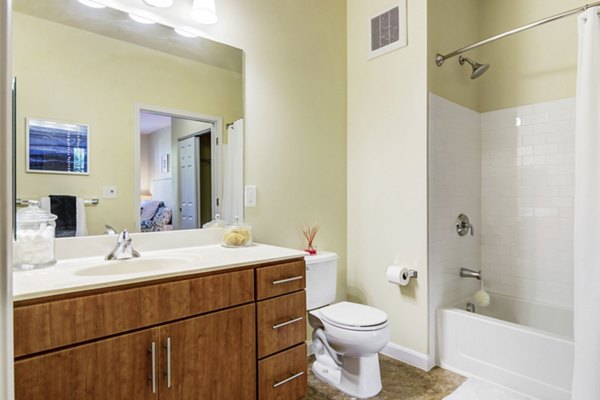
{"x":109,"y":192}
{"x":250,"y":196}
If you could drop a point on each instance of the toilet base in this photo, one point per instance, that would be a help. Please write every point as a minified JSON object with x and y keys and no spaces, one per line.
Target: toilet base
{"x":358,"y":377}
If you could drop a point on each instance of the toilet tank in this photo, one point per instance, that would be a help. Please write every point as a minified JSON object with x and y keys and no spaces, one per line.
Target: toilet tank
{"x":321,"y":279}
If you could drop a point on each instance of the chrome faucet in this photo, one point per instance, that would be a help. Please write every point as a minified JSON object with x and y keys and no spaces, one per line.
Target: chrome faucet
{"x":123,"y":249}
{"x":110,"y":230}
{"x":469,"y":273}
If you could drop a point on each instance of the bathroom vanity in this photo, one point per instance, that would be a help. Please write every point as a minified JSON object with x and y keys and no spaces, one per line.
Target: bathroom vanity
{"x":209,"y":330}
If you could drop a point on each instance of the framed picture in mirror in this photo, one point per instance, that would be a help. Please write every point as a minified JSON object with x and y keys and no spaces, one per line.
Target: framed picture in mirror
{"x":57,"y":147}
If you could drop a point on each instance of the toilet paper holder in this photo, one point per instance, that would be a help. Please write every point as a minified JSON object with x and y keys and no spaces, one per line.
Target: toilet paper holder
{"x":411,"y":273}
{"x":400,"y":275}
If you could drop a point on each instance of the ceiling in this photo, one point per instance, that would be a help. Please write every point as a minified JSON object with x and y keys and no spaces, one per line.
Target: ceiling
{"x":115,"y":23}
{"x":150,"y":123}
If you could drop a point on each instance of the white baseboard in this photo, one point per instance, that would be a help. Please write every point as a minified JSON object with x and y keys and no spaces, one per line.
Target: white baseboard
{"x":408,"y":356}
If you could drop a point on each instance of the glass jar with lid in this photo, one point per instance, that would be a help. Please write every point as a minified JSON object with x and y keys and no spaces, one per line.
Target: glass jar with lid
{"x":237,"y":234}
{"x":215,"y":223}
{"x":34,"y":247}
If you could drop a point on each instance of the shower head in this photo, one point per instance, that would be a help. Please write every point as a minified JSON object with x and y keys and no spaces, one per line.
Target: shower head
{"x":478,"y":69}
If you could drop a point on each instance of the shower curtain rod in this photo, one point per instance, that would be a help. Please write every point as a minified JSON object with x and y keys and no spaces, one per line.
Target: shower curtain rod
{"x":439,"y":58}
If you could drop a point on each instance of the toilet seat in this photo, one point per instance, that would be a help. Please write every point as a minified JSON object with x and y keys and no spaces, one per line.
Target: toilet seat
{"x":352,"y":316}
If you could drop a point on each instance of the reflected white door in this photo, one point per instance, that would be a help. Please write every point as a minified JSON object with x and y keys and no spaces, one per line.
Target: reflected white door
{"x":188,"y":183}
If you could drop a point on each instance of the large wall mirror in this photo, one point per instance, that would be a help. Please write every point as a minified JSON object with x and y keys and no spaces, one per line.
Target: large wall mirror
{"x":143,"y":120}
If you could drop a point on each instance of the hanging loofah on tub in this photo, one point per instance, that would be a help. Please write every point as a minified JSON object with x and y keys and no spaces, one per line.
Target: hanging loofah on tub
{"x":481,"y":297}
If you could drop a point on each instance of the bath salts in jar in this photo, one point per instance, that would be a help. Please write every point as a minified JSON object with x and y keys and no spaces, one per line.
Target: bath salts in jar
{"x":237,"y":235}
{"x":34,"y":247}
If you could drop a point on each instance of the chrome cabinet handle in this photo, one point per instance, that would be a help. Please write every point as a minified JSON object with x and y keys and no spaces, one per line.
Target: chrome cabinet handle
{"x":291,"y":378}
{"x":168,"y":372}
{"x":152,"y":350}
{"x":294,"y":278}
{"x":291,"y":321}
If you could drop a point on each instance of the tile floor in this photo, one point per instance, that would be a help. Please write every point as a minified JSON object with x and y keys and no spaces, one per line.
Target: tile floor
{"x":400,"y":382}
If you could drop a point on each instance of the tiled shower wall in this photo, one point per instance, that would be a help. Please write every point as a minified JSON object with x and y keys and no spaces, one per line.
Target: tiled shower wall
{"x":511,"y":171}
{"x":527,"y":192}
{"x":454,"y":188}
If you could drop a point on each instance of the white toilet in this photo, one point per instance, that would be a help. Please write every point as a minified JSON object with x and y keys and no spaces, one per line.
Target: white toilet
{"x":347,"y":336}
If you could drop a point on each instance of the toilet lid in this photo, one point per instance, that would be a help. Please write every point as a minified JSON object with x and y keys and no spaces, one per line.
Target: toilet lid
{"x":352,"y":314}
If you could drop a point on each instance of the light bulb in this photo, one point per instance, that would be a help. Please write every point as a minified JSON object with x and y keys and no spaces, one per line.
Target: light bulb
{"x":92,"y":3}
{"x":204,"y":11}
{"x":159,"y":3}
{"x":141,"y":20}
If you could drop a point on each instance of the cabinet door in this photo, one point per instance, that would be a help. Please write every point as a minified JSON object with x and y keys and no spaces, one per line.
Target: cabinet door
{"x":210,"y":357}
{"x":116,"y":368}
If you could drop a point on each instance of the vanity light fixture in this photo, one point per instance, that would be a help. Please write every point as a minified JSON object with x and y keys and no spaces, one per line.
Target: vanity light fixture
{"x":186,"y":33}
{"x":159,"y":3}
{"x":141,"y":20}
{"x":204,"y":11}
{"x":92,"y":3}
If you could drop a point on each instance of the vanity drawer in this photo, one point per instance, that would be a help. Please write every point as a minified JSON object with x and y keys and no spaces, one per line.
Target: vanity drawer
{"x":280,"y":279}
{"x":281,"y":323}
{"x":57,"y":323}
{"x":284,"y":375}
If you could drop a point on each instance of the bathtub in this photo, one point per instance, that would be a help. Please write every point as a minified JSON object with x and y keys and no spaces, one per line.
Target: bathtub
{"x":519,"y":344}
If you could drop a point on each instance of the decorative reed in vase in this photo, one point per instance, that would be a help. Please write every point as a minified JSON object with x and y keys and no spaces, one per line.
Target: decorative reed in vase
{"x":310,"y":232}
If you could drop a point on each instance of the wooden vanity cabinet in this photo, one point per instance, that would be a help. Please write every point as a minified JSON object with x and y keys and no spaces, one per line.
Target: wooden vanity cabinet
{"x":211,"y":357}
{"x":116,"y":368}
{"x":281,"y":327}
{"x":208,"y":357}
{"x":197,"y":339}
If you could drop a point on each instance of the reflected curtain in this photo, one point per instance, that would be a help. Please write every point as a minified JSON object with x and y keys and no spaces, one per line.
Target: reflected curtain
{"x":586,"y":373}
{"x":233,"y":173}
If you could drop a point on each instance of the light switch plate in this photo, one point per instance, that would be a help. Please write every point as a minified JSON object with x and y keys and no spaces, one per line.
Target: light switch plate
{"x":250,"y":196}
{"x":109,"y":192}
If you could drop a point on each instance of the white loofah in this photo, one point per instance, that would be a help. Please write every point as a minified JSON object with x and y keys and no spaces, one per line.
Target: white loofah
{"x":481,"y":298}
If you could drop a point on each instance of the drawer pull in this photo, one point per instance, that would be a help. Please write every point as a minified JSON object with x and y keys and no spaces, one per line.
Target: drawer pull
{"x":152,"y":351}
{"x":292,"y":279}
{"x":291,"y":321}
{"x":168,"y":372}
{"x":291,"y":378}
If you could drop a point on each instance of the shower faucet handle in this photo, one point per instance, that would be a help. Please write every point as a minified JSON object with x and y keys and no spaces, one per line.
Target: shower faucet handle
{"x":464,"y":226}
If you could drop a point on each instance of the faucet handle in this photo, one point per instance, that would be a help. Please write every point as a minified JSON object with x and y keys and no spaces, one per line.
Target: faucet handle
{"x":124,"y":236}
{"x":463,"y":225}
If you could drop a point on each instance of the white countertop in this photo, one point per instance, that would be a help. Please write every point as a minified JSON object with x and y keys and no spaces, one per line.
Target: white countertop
{"x":78,"y":274}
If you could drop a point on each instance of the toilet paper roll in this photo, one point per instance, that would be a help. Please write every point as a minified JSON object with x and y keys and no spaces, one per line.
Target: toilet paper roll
{"x":398,"y":275}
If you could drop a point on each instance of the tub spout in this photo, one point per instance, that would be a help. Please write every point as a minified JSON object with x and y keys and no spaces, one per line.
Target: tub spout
{"x":469,"y":273}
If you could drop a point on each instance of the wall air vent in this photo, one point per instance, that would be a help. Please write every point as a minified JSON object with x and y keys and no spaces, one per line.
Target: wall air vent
{"x":388,"y":30}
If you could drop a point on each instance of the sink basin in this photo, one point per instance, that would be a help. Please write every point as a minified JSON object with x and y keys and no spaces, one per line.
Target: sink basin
{"x":132,"y":266}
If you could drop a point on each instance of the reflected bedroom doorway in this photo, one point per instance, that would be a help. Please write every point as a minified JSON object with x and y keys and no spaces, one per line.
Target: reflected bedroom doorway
{"x":179,"y":172}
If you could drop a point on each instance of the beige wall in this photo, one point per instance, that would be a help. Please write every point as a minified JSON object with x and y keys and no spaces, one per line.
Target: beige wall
{"x":387,"y":171}
{"x":533,"y":66}
{"x":453,"y":24}
{"x":295,"y":117}
{"x":91,"y":79}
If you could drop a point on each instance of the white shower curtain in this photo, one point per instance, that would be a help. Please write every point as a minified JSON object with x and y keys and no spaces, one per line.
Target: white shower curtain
{"x":233,"y":173}
{"x":586,"y":374}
